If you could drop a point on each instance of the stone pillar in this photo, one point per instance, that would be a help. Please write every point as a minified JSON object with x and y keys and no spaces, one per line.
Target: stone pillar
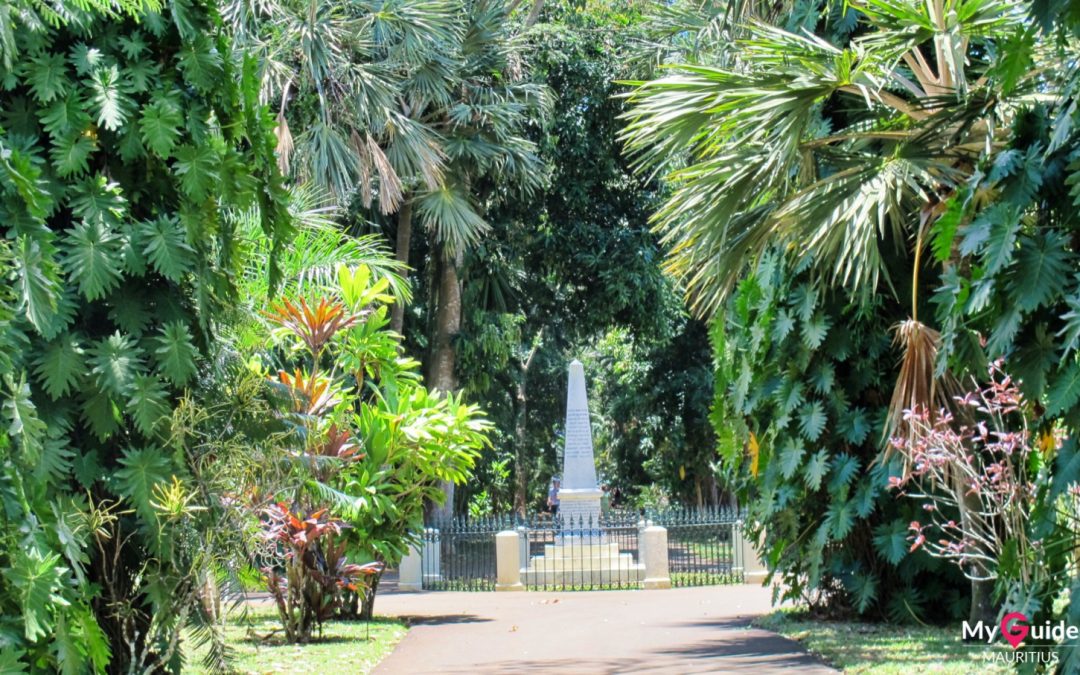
{"x":432,"y":555}
{"x":656,"y":560}
{"x":579,"y":497}
{"x":508,"y":561}
{"x":754,"y":569}
{"x":410,"y":571}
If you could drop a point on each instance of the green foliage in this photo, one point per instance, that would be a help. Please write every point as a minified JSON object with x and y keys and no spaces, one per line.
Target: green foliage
{"x":816,"y":485}
{"x":1014,"y":281}
{"x":358,"y":435}
{"x":571,"y":271}
{"x":118,"y":270}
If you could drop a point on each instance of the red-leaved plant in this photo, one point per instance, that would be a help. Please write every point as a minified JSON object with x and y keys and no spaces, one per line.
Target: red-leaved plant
{"x":970,"y":469}
{"x":308,"y":589}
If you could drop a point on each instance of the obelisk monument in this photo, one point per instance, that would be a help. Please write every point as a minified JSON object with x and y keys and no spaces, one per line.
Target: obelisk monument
{"x":579,"y":497}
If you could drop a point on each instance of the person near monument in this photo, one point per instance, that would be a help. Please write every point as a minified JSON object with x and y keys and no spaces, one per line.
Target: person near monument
{"x":553,"y":497}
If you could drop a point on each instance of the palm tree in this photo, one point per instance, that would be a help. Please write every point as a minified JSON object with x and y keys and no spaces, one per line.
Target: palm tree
{"x":343,"y":77}
{"x":489,"y":158}
{"x":830,"y":153}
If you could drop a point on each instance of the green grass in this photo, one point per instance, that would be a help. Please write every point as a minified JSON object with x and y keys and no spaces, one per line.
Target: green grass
{"x":345,"y":647}
{"x":884,"y":649}
{"x":680,"y":579}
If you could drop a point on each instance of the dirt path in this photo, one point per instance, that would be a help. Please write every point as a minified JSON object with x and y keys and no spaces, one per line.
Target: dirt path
{"x":686,"y":630}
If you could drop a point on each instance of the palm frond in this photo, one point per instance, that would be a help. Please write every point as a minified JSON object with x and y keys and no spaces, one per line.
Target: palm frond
{"x":309,"y":263}
{"x":753,"y":164}
{"x":448,"y":212}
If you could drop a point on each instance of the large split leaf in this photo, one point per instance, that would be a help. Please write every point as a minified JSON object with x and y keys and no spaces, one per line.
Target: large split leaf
{"x":175,"y":353}
{"x":141,"y":470}
{"x":60,"y":365}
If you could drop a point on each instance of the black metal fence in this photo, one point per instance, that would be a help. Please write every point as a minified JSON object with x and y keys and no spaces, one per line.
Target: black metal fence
{"x":703,"y":549}
{"x":581,"y":555}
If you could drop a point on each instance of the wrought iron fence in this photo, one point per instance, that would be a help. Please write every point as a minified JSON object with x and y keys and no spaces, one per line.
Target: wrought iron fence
{"x":581,"y":555}
{"x":703,"y":547}
{"x":459,"y":553}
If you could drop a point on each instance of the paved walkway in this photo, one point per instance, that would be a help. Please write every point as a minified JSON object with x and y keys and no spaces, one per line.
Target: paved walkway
{"x":685,"y":630}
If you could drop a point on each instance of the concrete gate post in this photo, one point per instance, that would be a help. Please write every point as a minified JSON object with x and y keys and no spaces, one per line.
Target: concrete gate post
{"x":656,"y":558}
{"x":508,"y":561}
{"x":410,"y":571}
{"x":753,"y":568}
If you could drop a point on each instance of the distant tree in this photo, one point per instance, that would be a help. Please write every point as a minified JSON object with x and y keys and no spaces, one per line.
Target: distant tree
{"x":565,"y":267}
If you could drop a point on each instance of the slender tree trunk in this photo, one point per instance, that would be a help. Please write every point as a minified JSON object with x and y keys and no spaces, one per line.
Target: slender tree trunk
{"x":404,"y":239}
{"x":534,"y":13}
{"x":521,"y":475}
{"x":441,"y":373}
{"x":982,"y":592}
{"x":521,"y":469}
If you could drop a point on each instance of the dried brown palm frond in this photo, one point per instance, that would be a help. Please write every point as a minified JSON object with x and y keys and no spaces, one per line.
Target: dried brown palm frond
{"x":284,"y":144}
{"x":372,"y":166}
{"x":917,"y":386}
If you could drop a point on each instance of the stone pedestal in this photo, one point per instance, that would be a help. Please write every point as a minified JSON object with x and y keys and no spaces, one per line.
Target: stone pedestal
{"x":432,"y":563}
{"x":576,"y":561}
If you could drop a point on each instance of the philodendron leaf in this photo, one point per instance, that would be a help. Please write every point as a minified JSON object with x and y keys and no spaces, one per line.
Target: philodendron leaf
{"x":890,"y":541}
{"x":22,"y":419}
{"x":812,"y":420}
{"x":115,"y":361}
{"x":37,"y":285}
{"x":38,"y":583}
{"x":92,"y":258}
{"x":816,"y":469}
{"x":175,"y":353}
{"x":791,"y":457}
{"x":148,"y":404}
{"x":60,"y":365}
{"x":141,"y":470}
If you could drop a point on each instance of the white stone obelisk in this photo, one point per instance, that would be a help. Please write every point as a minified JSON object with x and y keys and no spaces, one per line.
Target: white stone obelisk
{"x":579,"y":496}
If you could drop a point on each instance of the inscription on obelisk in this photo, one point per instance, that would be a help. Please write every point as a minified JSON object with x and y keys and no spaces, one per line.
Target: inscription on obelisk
{"x":579,"y":498}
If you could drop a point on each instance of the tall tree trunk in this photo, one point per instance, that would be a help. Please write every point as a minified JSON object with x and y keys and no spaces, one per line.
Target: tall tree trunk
{"x":441,"y":374}
{"x":404,"y":239}
{"x":521,"y":470}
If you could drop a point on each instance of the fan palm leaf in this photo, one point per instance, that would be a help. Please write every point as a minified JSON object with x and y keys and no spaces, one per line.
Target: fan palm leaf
{"x":733,"y":140}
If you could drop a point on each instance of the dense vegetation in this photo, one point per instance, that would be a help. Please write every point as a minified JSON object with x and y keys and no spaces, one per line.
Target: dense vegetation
{"x":897,"y":167}
{"x":282,"y":278}
{"x":131,"y":134}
